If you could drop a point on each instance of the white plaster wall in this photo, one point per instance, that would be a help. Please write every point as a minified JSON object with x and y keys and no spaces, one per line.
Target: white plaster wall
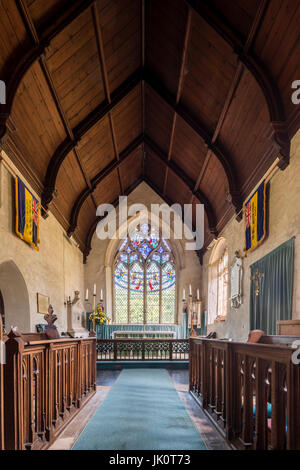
{"x":284,"y":223}
{"x":189,"y":272}
{"x":56,"y":270}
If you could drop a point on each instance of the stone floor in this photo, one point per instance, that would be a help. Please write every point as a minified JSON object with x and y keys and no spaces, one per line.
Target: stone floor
{"x":106,"y":379}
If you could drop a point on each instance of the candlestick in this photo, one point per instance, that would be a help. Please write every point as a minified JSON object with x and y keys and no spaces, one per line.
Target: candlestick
{"x":93,"y":332}
{"x":87,"y":295}
{"x":183,"y":295}
{"x":198,"y":294}
{"x":101,"y":295}
{"x":190,"y":289}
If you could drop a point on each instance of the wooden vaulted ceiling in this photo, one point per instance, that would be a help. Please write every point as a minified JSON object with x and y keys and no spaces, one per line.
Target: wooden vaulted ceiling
{"x":193,"y":97}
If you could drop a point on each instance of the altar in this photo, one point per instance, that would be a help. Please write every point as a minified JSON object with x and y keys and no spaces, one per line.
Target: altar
{"x":178,"y":331}
{"x":144,"y":334}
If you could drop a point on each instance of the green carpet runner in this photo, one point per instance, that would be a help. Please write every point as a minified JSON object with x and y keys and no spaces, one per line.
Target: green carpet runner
{"x":142,"y":411}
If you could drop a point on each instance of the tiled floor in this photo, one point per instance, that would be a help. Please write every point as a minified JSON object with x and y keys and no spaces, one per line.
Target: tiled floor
{"x":106,"y":379}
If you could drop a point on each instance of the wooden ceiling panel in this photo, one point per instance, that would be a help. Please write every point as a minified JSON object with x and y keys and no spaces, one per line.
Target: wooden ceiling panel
{"x":131,"y":169}
{"x":158,"y":119}
{"x":189,"y":150}
{"x":209,"y":72}
{"x":239,"y":14}
{"x":39,"y":129}
{"x":108,"y":190}
{"x":166,"y":26}
{"x":69,"y":183}
{"x":154,"y":169}
{"x":245,"y":130}
{"x":75,"y":68}
{"x":13,"y":36}
{"x":120,"y":25}
{"x":280,"y":33}
{"x":214,"y":185}
{"x":96,"y":148}
{"x":127,"y":118}
{"x":176,"y":191}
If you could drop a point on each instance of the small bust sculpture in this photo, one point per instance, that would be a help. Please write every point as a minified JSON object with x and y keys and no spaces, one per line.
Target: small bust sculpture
{"x":51,"y":330}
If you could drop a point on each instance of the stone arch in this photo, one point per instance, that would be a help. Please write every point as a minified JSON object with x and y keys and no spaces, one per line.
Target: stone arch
{"x":15,"y":297}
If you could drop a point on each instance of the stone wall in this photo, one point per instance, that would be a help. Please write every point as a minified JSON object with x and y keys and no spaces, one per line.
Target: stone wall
{"x":56,"y":270}
{"x":284,"y":223}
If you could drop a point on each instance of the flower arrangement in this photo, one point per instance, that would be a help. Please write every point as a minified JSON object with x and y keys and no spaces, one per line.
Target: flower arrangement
{"x":100,"y":316}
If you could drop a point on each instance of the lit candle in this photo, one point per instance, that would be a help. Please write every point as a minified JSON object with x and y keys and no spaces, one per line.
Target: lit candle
{"x":95,"y":289}
{"x":198,"y":294}
{"x":87,"y":295}
{"x":101,"y":294}
{"x":183,"y":295}
{"x":190,"y":289}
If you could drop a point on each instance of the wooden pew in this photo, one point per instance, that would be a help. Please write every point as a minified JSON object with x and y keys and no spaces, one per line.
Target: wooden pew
{"x":46,"y":382}
{"x":249,"y":391}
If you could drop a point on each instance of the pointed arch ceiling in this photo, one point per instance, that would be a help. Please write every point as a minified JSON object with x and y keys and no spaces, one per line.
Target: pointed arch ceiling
{"x":191,"y":96}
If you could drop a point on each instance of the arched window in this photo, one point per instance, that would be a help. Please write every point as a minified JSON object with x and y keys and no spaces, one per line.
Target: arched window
{"x":144,"y":280}
{"x":218,"y":283}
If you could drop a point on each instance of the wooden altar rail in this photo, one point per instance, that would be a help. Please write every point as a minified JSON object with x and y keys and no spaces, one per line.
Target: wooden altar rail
{"x":142,"y":349}
{"x":250,"y":391}
{"x":46,"y":382}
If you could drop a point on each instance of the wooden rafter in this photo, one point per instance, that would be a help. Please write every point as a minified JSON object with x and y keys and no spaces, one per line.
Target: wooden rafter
{"x":93,"y":227}
{"x":80,"y":130}
{"x":30,"y":27}
{"x":204,"y":133}
{"x":179,"y":89}
{"x":186,"y":180}
{"x":168,"y":201}
{"x":99,"y":40}
{"x":233,"y":87}
{"x":21,"y":64}
{"x":257,"y":69}
{"x":99,"y":178}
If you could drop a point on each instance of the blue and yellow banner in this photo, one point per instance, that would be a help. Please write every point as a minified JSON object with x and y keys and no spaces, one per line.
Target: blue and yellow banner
{"x":255,"y":218}
{"x":27,"y":215}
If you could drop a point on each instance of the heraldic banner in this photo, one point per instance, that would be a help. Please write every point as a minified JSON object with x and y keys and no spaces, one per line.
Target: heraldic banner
{"x":27,"y":215}
{"x":255,"y":218}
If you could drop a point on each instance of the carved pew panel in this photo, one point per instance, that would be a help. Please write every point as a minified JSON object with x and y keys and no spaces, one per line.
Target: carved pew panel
{"x":46,"y":382}
{"x":250,"y":391}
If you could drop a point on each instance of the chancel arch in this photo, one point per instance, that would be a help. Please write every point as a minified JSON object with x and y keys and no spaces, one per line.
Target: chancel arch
{"x":114,"y":245}
{"x":15,"y":297}
{"x":144,"y":279}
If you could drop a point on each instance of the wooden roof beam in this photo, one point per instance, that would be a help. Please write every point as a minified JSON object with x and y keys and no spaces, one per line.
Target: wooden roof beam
{"x":180,"y":86}
{"x":187,"y":181}
{"x":99,"y":178}
{"x":259,"y":72}
{"x":206,"y":136}
{"x":21,"y":64}
{"x":79,"y":131}
{"x":168,"y":201}
{"x":93,"y":227}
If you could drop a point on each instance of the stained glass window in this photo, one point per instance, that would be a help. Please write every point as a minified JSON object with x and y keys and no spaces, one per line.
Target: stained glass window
{"x":144,"y":279}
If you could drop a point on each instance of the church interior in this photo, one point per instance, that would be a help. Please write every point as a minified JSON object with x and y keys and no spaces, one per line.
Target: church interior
{"x":123,"y":327}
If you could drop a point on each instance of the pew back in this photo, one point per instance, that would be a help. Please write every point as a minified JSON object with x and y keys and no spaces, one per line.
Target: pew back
{"x":46,"y":382}
{"x":250,"y":391}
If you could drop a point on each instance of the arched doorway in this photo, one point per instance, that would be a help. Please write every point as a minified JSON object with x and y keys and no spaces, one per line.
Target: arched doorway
{"x":15,"y":298}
